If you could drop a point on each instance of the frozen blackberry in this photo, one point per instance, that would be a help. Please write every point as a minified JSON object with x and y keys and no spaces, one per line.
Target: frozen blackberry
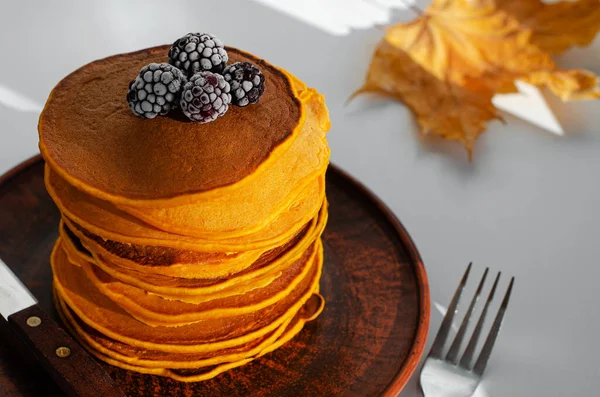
{"x":247,"y":83}
{"x":155,"y":90}
{"x":197,"y":52}
{"x":205,"y":97}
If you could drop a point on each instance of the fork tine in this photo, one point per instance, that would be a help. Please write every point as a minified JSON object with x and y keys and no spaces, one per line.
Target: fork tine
{"x":465,"y":361}
{"x":442,"y":335}
{"x":486,"y":351}
{"x":452,"y":355}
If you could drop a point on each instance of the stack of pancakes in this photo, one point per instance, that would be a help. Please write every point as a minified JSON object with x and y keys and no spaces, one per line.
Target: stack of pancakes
{"x":185,"y":249}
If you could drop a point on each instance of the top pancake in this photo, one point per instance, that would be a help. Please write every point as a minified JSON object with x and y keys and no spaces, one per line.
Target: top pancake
{"x":91,"y":138}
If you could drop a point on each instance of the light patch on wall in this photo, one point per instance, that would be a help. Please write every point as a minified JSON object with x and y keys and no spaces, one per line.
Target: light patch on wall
{"x":17,"y":101}
{"x":530,"y":105}
{"x":339,"y":17}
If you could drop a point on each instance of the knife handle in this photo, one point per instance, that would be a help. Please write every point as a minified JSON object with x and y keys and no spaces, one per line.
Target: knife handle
{"x":71,"y":367}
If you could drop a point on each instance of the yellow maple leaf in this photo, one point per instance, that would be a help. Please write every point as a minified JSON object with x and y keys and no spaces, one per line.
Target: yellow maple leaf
{"x":556,"y":26}
{"x":448,"y":63}
{"x":441,"y":108}
{"x":568,"y":85}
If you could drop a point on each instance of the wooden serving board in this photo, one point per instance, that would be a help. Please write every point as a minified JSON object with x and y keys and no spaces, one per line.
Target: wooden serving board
{"x":367,"y":342}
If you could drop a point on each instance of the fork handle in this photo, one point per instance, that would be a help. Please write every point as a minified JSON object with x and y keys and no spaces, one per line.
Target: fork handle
{"x":445,"y":393}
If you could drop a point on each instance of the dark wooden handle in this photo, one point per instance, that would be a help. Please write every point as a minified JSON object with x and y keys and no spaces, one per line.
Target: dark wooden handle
{"x":71,"y":367}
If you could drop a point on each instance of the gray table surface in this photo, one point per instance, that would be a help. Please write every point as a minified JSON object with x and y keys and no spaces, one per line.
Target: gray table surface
{"x":527,"y":205}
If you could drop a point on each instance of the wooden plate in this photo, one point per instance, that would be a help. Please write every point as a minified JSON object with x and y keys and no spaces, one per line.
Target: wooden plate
{"x":367,"y":342}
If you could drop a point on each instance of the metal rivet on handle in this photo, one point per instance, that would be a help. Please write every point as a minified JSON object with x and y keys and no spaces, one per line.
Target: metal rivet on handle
{"x":34,"y":321}
{"x":63,"y":352}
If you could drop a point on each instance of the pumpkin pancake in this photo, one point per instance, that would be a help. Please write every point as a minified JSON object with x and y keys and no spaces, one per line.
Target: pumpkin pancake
{"x":181,"y":275}
{"x":136,"y":259}
{"x":74,"y":254}
{"x":154,"y":310}
{"x":102,"y":314}
{"x":152,"y":358}
{"x":166,"y":260}
{"x":189,"y":289}
{"x":182,"y":375}
{"x":153,"y":362}
{"x":105,"y":220}
{"x":159,"y":359}
{"x":87,"y":122}
{"x":248,"y":210}
{"x":201,"y":294}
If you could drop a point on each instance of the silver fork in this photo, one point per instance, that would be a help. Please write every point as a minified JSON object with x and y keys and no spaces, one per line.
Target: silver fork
{"x":449,"y":376}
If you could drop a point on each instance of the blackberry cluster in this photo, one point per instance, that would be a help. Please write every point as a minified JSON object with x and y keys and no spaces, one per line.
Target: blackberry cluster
{"x":212,"y":85}
{"x":205,"y":97}
{"x":247,"y":83}
{"x":197,"y":52}
{"x":155,"y":90}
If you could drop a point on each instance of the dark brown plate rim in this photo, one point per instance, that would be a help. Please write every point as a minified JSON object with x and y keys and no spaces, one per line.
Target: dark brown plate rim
{"x":408,"y":367}
{"x":406,"y":370}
